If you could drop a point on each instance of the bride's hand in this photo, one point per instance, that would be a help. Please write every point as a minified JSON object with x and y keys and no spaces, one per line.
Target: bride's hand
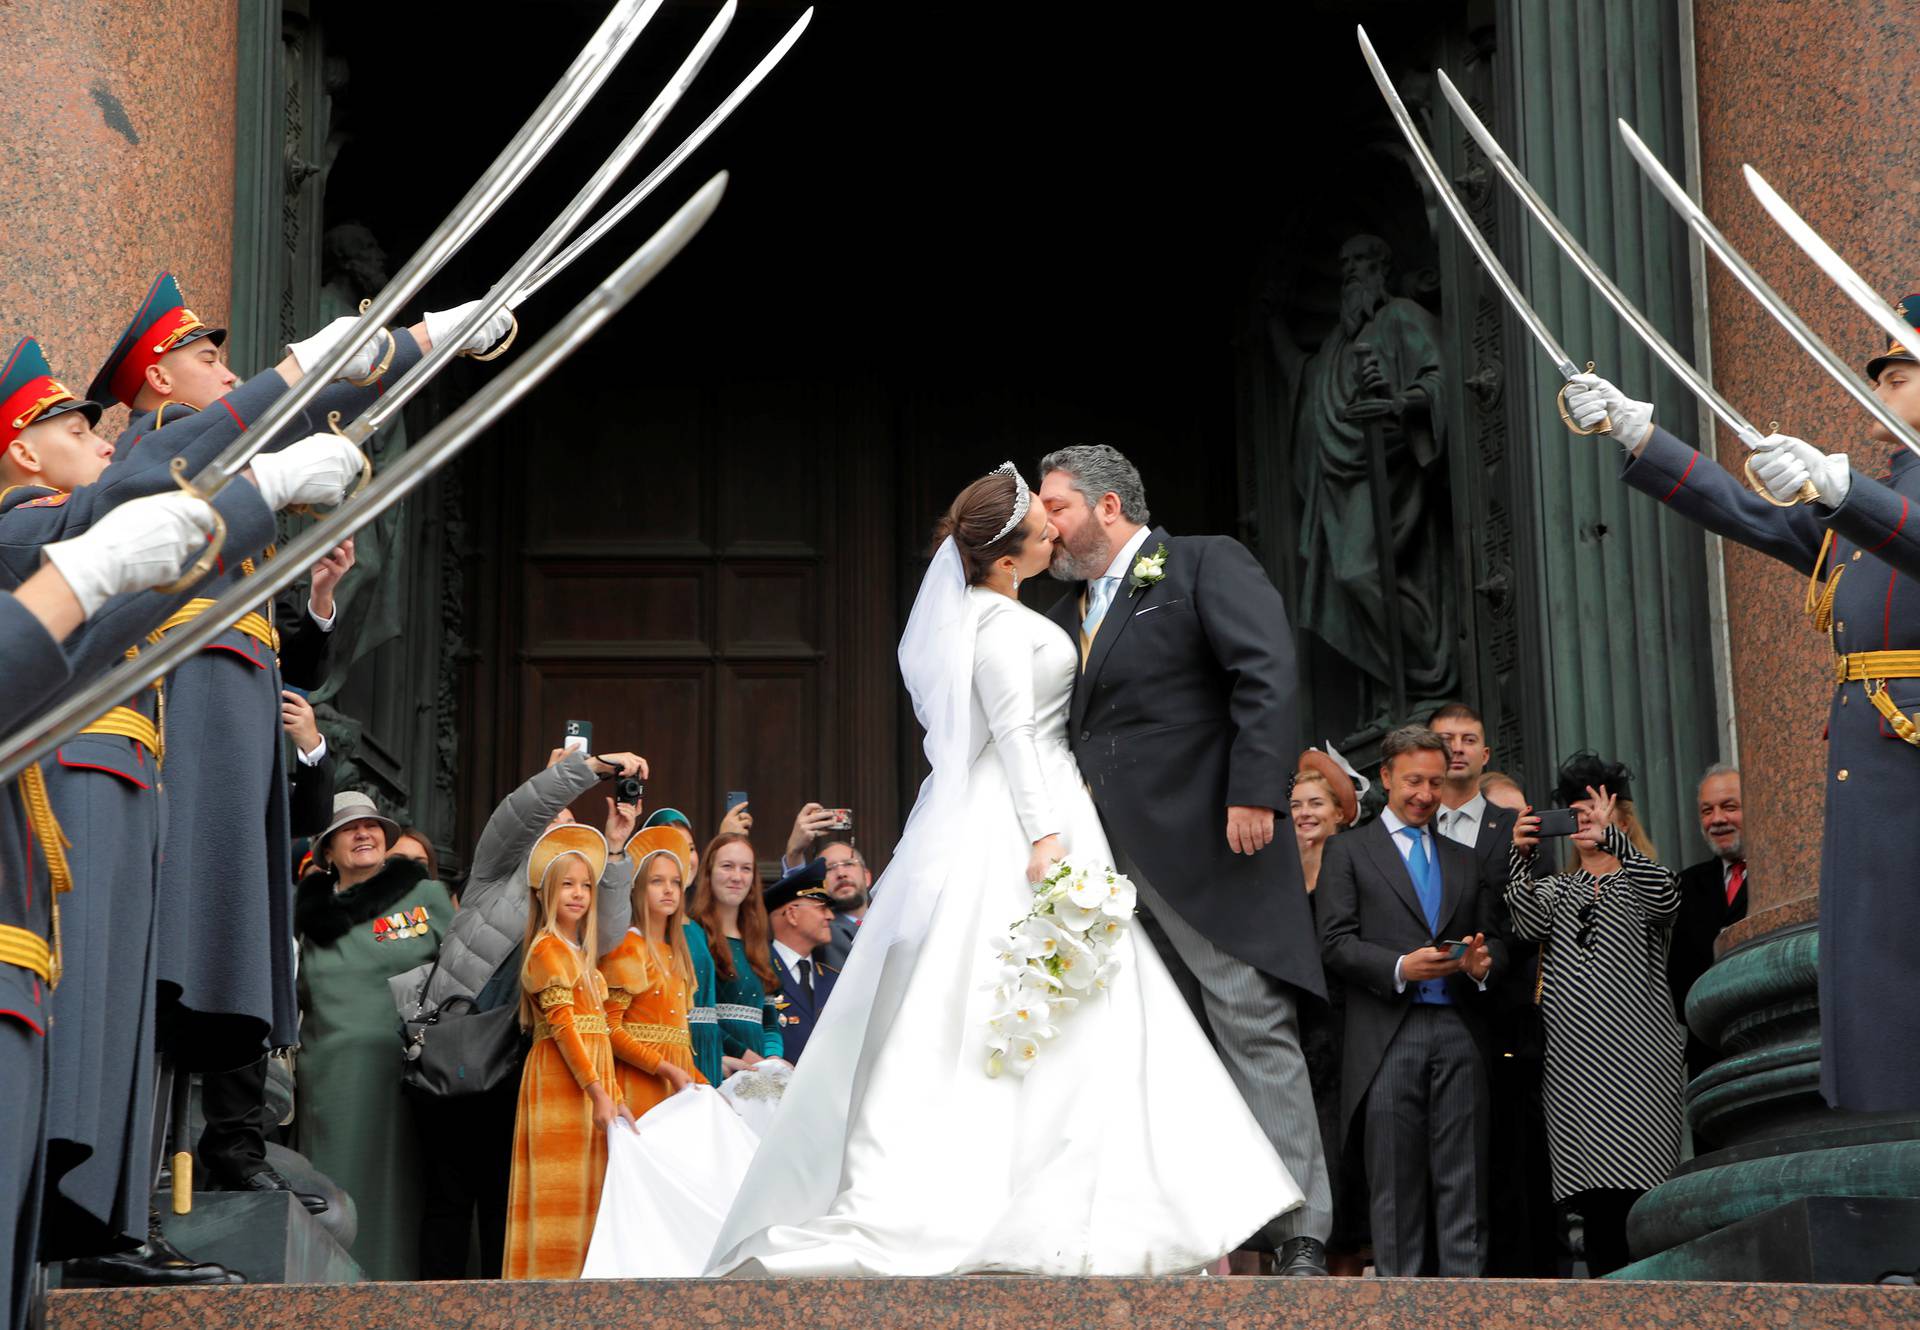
{"x":1046,"y":852}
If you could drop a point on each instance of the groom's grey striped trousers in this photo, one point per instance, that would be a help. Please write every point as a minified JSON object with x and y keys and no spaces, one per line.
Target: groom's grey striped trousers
{"x":1255,"y":1020}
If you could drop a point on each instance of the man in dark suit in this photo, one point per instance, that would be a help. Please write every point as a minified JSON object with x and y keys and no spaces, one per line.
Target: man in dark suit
{"x":1523,"y":1232}
{"x":802,"y":918}
{"x":1393,"y":899}
{"x":1713,"y":894}
{"x":1183,"y":723}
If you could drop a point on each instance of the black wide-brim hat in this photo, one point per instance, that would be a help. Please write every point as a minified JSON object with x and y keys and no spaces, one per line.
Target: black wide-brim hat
{"x":1589,"y":768}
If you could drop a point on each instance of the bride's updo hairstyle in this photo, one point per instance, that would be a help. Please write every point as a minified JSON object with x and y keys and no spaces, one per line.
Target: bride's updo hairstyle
{"x":977,"y":518}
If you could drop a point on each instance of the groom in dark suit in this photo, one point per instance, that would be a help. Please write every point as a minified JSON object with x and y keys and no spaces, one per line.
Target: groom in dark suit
{"x":1396,"y":899}
{"x":1183,"y":725}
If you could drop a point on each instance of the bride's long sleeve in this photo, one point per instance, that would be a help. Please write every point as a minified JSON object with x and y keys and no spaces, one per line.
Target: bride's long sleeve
{"x":1003,"y":679}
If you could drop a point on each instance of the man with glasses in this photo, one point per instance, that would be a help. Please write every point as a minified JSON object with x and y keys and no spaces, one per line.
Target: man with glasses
{"x":848,"y":883}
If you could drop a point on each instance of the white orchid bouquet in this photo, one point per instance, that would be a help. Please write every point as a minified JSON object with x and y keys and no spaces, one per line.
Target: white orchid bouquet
{"x":1064,"y":951}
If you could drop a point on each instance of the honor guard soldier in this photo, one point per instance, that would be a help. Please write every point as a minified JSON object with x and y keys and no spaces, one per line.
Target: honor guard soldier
{"x":801,"y":913}
{"x":103,"y":786}
{"x":227,"y":991}
{"x":1858,"y":544}
{"x":137,"y":546}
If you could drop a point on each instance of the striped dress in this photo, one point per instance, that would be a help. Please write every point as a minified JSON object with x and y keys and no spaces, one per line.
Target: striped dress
{"x":559,"y":1156}
{"x":1616,"y":1059}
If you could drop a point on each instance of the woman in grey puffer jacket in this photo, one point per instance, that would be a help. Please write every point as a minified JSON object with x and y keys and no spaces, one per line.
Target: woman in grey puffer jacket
{"x":468,"y":1140}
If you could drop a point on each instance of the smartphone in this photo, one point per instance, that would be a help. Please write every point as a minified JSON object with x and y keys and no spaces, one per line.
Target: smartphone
{"x":1558,"y":822}
{"x":735,"y":798}
{"x":842,"y":819}
{"x":1454,"y":947}
{"x":579,"y":736}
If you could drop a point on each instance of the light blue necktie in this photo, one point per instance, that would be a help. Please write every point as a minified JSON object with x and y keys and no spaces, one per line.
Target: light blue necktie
{"x":1422,"y":872}
{"x":1421,"y":869}
{"x":1099,"y":596}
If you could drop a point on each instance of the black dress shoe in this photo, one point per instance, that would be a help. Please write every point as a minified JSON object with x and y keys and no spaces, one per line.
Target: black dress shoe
{"x":155,"y":1263}
{"x":1301,"y":1256}
{"x":269,"y":1180}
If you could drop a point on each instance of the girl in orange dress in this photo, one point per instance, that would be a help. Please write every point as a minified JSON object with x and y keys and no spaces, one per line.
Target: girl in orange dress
{"x":568,"y":1092}
{"x":650,"y":977}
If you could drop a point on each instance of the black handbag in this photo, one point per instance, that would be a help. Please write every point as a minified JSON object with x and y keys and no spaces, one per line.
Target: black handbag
{"x":453,"y":1051}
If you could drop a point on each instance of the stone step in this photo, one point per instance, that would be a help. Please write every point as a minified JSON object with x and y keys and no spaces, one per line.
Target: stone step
{"x":998,"y":1303}
{"x":267,"y":1236}
{"x":1814,"y":1240}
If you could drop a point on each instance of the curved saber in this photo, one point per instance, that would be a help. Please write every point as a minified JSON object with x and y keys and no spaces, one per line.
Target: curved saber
{"x":666,"y":168}
{"x":1770,"y":300}
{"x":1682,"y":369}
{"x":40,"y":737}
{"x":563,"y":104}
{"x":1458,"y":211}
{"x":391,"y":402}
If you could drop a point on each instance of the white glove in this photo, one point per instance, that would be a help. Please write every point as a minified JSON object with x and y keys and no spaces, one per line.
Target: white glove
{"x":1591,"y":399}
{"x":318,"y":347}
{"x":442,"y":323}
{"x":135,"y":546}
{"x":317,"y":470}
{"x":1785,"y":464}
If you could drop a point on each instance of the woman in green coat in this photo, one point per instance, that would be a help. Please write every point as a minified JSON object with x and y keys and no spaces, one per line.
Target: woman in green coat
{"x":361,"y":919}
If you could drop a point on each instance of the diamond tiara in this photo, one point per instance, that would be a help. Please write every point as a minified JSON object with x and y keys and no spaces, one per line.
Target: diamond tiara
{"x":1022,"y":499}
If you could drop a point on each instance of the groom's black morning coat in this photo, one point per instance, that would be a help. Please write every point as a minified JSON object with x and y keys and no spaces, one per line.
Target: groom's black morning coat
{"x":1185,"y":706}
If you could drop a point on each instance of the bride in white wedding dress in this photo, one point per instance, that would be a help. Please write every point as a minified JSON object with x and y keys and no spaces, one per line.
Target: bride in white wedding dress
{"x":1126,"y":1149}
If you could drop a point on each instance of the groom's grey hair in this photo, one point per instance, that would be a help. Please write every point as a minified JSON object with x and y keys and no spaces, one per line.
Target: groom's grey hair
{"x":1098,"y":469}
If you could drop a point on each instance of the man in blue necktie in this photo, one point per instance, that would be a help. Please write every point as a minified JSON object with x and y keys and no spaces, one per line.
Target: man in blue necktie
{"x":1409,"y":921}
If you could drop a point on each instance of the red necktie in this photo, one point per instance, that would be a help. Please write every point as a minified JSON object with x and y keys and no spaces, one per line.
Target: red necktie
{"x":1735,"y":880}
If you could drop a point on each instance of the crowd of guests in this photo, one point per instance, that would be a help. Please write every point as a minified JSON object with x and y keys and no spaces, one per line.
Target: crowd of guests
{"x":594,"y":970}
{"x":1500,"y":1071}
{"x":1503,"y":1121}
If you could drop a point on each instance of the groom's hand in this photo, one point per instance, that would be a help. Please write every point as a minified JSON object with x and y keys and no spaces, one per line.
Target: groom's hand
{"x":1249,"y":830}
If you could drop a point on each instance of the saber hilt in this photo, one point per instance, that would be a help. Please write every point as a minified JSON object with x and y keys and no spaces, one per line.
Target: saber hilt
{"x":215,"y":543}
{"x":1805,"y":494}
{"x":1566,"y":417}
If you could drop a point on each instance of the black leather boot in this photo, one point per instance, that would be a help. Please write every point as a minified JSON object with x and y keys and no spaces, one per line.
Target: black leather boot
{"x":154,"y":1263}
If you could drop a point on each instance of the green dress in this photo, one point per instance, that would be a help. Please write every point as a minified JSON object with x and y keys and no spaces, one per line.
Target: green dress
{"x":351,"y":1115}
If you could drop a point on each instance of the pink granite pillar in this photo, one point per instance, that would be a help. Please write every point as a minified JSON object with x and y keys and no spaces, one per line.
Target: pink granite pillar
{"x":118,"y":162}
{"x":1823,"y":101}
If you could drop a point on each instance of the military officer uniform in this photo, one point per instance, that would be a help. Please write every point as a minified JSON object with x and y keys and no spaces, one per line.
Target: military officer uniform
{"x":225,"y":888}
{"x":805,"y":982}
{"x":103,"y":787}
{"x":1862,"y":561}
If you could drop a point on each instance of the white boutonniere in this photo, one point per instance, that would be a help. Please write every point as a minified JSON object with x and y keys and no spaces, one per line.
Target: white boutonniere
{"x":1148,"y":570}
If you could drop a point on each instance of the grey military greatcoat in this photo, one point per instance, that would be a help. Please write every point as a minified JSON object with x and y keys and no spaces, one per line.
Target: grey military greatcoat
{"x":1869,"y":891}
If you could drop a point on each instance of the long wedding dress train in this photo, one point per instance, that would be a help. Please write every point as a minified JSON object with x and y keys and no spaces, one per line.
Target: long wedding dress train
{"x":1126,"y":1150}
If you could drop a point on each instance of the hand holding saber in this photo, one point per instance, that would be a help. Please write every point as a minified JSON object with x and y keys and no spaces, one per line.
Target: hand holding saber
{"x":1641,"y":326}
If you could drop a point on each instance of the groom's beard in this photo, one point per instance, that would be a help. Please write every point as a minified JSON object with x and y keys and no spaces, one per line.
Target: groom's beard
{"x":1083,"y":559}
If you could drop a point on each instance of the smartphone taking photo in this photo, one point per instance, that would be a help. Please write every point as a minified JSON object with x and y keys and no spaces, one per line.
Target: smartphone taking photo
{"x":1558,"y":822}
{"x":579,"y":737}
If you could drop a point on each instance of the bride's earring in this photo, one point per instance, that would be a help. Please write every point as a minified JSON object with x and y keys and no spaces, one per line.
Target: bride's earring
{"x":1016,"y":582}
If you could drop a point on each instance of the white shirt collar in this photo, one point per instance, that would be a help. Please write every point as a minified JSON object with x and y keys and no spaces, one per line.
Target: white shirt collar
{"x":1124,"y":559}
{"x":789,"y":956}
{"x":1472,"y":813}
